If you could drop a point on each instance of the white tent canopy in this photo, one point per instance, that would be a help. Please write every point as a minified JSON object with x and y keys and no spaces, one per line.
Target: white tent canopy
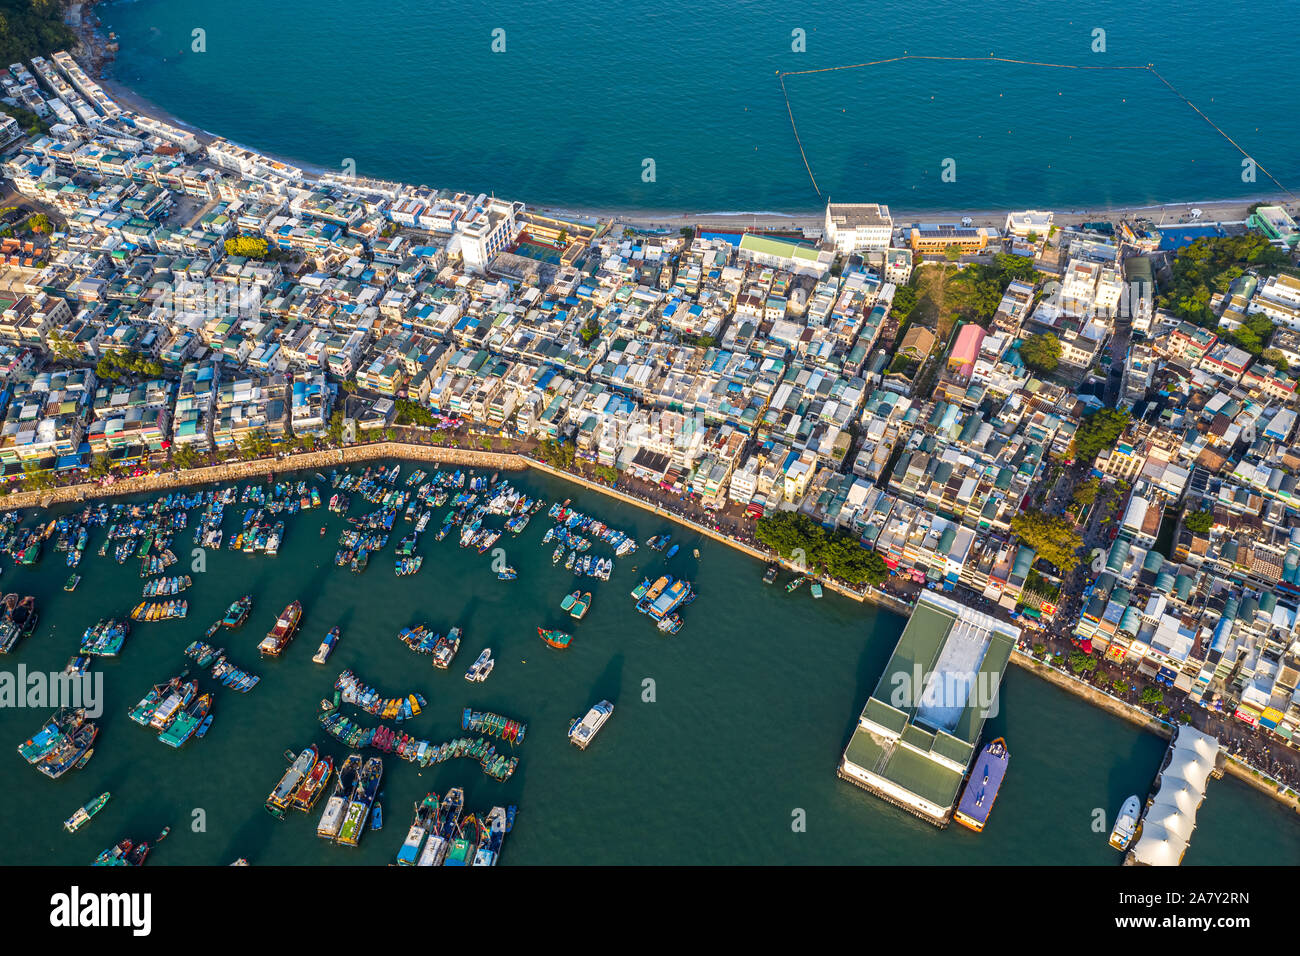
{"x":1171,"y":817}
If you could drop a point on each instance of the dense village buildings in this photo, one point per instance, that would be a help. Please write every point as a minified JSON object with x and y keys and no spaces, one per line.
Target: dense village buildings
{"x":754,"y":372}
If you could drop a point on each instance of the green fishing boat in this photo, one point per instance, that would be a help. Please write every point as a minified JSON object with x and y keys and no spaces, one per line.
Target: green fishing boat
{"x":82,"y":816}
{"x":580,"y":606}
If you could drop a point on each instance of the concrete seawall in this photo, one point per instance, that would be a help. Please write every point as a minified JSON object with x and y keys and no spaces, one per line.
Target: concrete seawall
{"x":259,"y":467}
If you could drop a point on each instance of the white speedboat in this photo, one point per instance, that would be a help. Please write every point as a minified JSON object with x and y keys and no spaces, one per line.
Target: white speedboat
{"x":583,"y":731}
{"x":1126,"y":823}
{"x":475,"y":672}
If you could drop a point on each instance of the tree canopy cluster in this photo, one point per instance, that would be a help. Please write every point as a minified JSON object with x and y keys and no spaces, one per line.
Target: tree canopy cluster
{"x":32,"y":28}
{"x":1210,"y":265}
{"x":1198,"y":521}
{"x":796,"y":537}
{"x":250,"y":247}
{"x":413,"y":413}
{"x":904,"y":304}
{"x":556,"y":454}
{"x":1253,"y":334}
{"x":1052,"y":537}
{"x":1041,"y":352}
{"x":117,"y":365}
{"x":1099,"y":430}
{"x":978,"y":289}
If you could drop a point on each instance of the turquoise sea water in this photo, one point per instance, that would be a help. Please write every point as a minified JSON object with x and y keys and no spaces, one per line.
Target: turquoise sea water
{"x":585,"y":92}
{"x":753,"y":703}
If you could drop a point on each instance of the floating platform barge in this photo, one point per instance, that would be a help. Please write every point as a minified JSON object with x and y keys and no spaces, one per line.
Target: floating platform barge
{"x":916,"y":737}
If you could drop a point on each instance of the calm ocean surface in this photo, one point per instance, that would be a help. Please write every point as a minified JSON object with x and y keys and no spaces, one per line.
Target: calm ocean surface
{"x":585,"y":92}
{"x":754,"y":702}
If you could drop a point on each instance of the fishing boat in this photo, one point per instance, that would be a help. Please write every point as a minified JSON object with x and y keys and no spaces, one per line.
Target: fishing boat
{"x":816,"y":589}
{"x":443,"y":829}
{"x":982,"y":787}
{"x":237,"y":613}
{"x":62,"y":742}
{"x":671,"y":551}
{"x":507,"y":574}
{"x":364,"y":792}
{"x":83,"y":815}
{"x":581,"y":606}
{"x":496,"y":826}
{"x":313,"y":785}
{"x":142,"y":713}
{"x":1126,"y":823}
{"x":570,"y":600}
{"x":557,"y":639}
{"x":671,"y":624}
{"x":444,"y":651}
{"x":327,"y":645}
{"x":203,"y":727}
{"x":426,"y":816}
{"x":658,"y":542}
{"x":583,"y":730}
{"x":183,"y":727}
{"x":475,"y":672}
{"x":17,"y":620}
{"x":72,"y":583}
{"x":128,"y":852}
{"x":332,"y":818}
{"x":278,"y":638}
{"x":377,"y":816}
{"x":794,"y":585}
{"x":280,"y":798}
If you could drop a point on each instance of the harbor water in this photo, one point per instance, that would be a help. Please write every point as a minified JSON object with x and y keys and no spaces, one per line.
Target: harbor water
{"x":582,"y":94}
{"x":722,"y":747}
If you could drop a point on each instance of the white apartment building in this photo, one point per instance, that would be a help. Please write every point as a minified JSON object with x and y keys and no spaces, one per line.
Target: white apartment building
{"x":488,"y":229}
{"x":858,"y":227}
{"x":1279,"y":299}
{"x":1029,"y":221}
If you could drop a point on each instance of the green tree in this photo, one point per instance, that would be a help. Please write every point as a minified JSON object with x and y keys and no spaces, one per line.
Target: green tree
{"x":1209,"y":265}
{"x":905,"y":302}
{"x":36,"y":478}
{"x":1275,"y":358}
{"x":1051,"y":536}
{"x":1041,"y":352}
{"x":39,"y":224}
{"x":1198,"y":521}
{"x":590,"y":329}
{"x":250,"y":247}
{"x":1152,"y":695}
{"x":796,"y":537}
{"x":1082,"y":663}
{"x":184,"y":457}
{"x":62,"y":349}
{"x":1085,"y":493}
{"x":1101,"y":429}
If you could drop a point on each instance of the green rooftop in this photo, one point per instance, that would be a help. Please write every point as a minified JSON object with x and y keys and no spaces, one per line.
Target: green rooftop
{"x":916,"y":738}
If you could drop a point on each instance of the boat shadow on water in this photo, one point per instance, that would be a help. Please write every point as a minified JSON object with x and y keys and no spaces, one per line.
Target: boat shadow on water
{"x":607,"y":686}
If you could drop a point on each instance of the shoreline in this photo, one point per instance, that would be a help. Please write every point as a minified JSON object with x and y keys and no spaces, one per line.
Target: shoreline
{"x":97,"y":59}
{"x":511,"y":461}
